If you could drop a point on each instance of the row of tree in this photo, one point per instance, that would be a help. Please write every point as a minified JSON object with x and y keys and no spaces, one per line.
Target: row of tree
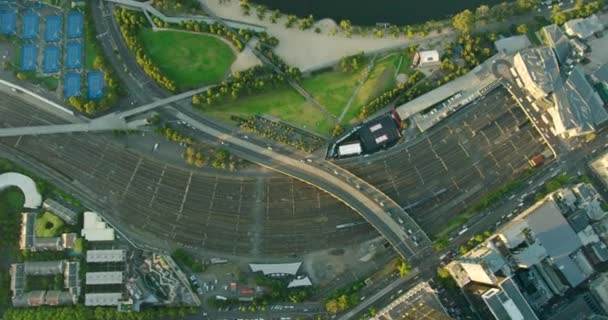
{"x":113,"y":87}
{"x":344,"y":298}
{"x":582,"y":9}
{"x":177,"y":5}
{"x":390,"y":96}
{"x":465,"y":21}
{"x":352,"y":63}
{"x":241,"y":83}
{"x":130,"y":23}
{"x":281,"y":133}
{"x":99,"y":313}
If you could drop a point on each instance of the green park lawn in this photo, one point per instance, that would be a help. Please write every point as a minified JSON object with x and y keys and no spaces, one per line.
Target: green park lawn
{"x":190,"y":60}
{"x":48,"y":225}
{"x":11,"y":200}
{"x":332,"y":89}
{"x":283,"y":103}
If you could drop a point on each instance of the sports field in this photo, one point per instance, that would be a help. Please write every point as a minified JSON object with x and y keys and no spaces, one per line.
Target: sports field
{"x":190,"y":60}
{"x":48,"y":225}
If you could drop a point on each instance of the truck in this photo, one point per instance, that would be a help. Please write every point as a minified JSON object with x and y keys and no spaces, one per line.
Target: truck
{"x":540,"y":158}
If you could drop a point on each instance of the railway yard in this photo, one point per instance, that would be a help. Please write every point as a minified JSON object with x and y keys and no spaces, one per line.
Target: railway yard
{"x":270,"y":214}
{"x":451,"y":166}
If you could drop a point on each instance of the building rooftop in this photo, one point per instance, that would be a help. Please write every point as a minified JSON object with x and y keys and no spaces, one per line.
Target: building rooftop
{"x":512,"y":44}
{"x":95,"y":229}
{"x":552,"y":230}
{"x":66,"y":214}
{"x":43,"y":267}
{"x":276,"y":268}
{"x":102,"y":299}
{"x":108,"y":277}
{"x":304,"y":282}
{"x":558,"y":41}
{"x":378,"y":133}
{"x":506,"y":302}
{"x":583,"y":27}
{"x":33,"y":198}
{"x":420,"y":302}
{"x":541,"y":66}
{"x":601,"y":74}
{"x":599,"y":166}
{"x":578,"y":106}
{"x":94,"y":256}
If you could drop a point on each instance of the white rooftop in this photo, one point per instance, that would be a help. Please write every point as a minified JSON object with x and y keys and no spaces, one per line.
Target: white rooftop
{"x":277,"y":268}
{"x":33,"y":199}
{"x":105,"y":255}
{"x":428,"y":56}
{"x":110,"y":277}
{"x":304,"y":282}
{"x":102,"y":299}
{"x":599,"y":166}
{"x":95,"y":229}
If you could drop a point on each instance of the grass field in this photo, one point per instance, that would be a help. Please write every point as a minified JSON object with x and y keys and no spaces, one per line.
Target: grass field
{"x":48,"y":225}
{"x":190,"y":60}
{"x":90,"y":47}
{"x":332,"y":89}
{"x":283,"y":103}
{"x":11,"y":200}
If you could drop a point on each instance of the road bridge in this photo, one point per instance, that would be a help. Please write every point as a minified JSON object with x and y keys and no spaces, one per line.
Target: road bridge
{"x":379,"y":210}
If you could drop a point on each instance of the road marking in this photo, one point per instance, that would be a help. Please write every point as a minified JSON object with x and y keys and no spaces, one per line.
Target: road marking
{"x":455,"y":184}
{"x":160,"y":179}
{"x":132,"y":177}
{"x":442,"y":162}
{"x":479,"y":171}
{"x":495,"y":161}
{"x":465,"y":150}
{"x":419,"y":175}
{"x":181,"y":207}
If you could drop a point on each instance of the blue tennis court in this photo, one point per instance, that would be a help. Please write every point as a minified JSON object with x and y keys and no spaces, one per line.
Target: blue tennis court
{"x":8,"y":21}
{"x":75,"y":24}
{"x":73,"y":57}
{"x":28,"y":57}
{"x":52,"y":31}
{"x":71,"y":87}
{"x":50,"y":60}
{"x":30,"y":26}
{"x":95,"y":85}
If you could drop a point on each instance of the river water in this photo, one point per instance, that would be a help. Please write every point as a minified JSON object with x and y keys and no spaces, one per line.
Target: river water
{"x":370,"y":12}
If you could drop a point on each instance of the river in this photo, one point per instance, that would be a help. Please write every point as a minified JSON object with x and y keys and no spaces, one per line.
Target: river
{"x":370,"y":12}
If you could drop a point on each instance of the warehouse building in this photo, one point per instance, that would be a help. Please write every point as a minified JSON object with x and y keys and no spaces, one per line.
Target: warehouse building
{"x":95,"y":229}
{"x":98,"y":256}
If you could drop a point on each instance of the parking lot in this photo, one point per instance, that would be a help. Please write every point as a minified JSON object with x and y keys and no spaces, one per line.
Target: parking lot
{"x":447,"y":169}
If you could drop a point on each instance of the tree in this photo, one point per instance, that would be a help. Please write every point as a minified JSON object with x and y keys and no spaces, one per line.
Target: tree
{"x":482,"y":12}
{"x":343,"y":302}
{"x":522,"y":29}
{"x":443,"y":273}
{"x":464,"y":21}
{"x":345,"y":25}
{"x":558,"y":16}
{"x":331,"y":306}
{"x":403,"y":268}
